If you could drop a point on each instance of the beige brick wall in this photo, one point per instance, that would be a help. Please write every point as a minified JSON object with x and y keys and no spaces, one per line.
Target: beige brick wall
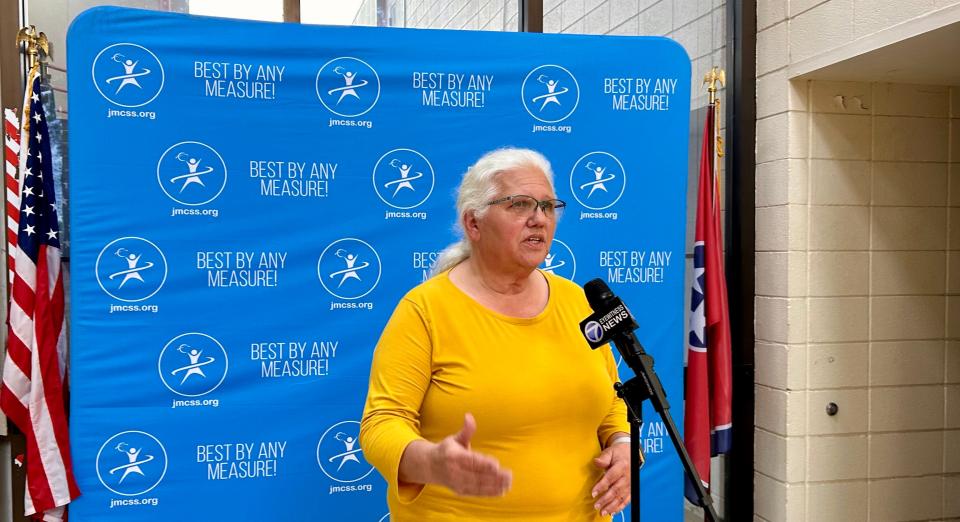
{"x":698,"y":25}
{"x":858,"y":258}
{"x":484,"y":15}
{"x":857,"y":278}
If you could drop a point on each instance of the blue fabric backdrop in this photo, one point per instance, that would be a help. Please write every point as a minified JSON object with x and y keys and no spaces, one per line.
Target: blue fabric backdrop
{"x":250,"y":200}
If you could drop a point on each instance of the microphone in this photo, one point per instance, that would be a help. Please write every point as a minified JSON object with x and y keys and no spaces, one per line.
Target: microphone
{"x":610,"y":318}
{"x":611,"y":321}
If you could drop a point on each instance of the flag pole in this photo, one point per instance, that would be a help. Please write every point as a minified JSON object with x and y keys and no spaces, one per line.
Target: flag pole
{"x":32,"y":43}
{"x":36,"y":47}
{"x":711,"y":79}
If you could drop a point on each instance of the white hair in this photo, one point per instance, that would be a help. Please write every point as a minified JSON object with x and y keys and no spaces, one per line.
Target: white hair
{"x":478,"y":187}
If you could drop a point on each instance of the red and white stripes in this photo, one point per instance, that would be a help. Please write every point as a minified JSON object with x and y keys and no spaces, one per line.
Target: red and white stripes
{"x":11,"y":159}
{"x":35,"y":338}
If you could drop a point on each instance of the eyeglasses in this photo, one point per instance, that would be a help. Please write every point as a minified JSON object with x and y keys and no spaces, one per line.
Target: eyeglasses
{"x":523,"y":205}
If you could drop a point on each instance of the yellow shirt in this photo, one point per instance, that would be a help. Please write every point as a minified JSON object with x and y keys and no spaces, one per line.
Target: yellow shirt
{"x":543,"y":401}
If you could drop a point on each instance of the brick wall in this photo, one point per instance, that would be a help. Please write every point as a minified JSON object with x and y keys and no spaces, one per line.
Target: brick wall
{"x":857,"y":278}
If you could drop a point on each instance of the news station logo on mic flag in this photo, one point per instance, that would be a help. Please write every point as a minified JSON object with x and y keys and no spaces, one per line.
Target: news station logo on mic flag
{"x":707,"y":415}
{"x":32,"y":394}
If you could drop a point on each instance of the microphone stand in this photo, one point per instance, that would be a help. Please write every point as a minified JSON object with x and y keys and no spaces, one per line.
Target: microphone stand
{"x":646,"y":385}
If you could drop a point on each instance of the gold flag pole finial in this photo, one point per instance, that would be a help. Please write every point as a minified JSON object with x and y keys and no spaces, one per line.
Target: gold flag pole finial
{"x":710,"y":79}
{"x":38,"y":47}
{"x":716,"y":75}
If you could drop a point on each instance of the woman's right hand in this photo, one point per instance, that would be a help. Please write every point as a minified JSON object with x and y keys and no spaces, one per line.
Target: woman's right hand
{"x":466,"y":472}
{"x":451,"y":463}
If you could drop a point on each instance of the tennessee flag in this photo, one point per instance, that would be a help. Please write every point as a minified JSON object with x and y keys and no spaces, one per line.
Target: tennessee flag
{"x":707,"y":416}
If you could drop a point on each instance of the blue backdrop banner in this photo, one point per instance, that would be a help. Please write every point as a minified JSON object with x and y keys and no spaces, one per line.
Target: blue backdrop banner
{"x":251,"y":200}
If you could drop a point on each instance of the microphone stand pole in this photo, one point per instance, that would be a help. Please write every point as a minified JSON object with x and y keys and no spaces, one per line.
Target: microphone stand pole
{"x":636,"y":423}
{"x":646,"y":385}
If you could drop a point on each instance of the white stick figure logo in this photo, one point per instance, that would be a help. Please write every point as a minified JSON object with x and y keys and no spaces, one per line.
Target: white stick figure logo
{"x":353,"y":264}
{"x":127,"y":74}
{"x":349,"y":453}
{"x":133,"y":466}
{"x":195,"y":366}
{"x":605,"y":183}
{"x":132,"y":271}
{"x":349,"y":88}
{"x":598,"y":183}
{"x":396,"y":175}
{"x":548,"y":265}
{"x":405,"y":178}
{"x":192,"y":364}
{"x":130,"y":74}
{"x":193,"y":174}
{"x":339,"y":454}
{"x":141,"y":467}
{"x":560,"y":260}
{"x":551,"y":95}
{"x":350,"y":272}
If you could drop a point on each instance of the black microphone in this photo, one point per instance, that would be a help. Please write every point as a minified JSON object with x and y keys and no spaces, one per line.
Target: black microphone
{"x":598,"y":293}
{"x":611,"y":321}
{"x":610,"y":318}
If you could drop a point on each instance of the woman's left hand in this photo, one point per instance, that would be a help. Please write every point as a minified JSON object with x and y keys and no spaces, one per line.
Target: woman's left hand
{"x":612,"y":492}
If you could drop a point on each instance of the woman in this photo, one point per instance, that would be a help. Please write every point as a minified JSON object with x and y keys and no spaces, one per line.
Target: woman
{"x":485,"y":402}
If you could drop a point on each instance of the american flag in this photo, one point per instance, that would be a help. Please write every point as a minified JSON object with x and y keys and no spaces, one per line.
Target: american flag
{"x":32,"y":395}
{"x":11,"y":154}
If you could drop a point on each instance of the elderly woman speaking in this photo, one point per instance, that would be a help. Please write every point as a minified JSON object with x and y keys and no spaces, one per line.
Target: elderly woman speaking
{"x":485,"y":402}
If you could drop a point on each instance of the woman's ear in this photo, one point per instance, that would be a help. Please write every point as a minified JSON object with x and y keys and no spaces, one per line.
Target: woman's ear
{"x":471,"y":225}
